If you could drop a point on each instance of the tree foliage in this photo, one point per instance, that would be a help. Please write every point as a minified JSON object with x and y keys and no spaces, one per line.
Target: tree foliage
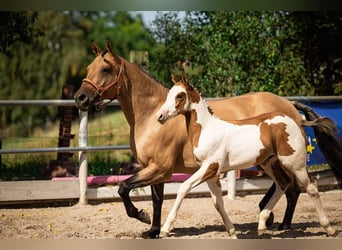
{"x":234,"y":52}
{"x":17,"y":26}
{"x":225,"y":53}
{"x":39,"y":69}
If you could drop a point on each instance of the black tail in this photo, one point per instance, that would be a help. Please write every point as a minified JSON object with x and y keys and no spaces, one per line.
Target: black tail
{"x":328,"y":142}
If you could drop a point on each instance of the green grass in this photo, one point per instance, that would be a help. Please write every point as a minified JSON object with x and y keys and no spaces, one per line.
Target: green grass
{"x":103,"y":129}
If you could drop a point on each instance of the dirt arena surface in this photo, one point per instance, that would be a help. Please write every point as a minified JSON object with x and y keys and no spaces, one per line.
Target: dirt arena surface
{"x":197,"y":219}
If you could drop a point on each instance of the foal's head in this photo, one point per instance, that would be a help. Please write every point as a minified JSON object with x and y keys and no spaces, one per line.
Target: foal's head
{"x":103,"y":79}
{"x":178,"y":100}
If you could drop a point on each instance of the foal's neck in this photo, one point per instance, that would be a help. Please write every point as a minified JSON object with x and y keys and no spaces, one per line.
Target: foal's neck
{"x":197,"y":119}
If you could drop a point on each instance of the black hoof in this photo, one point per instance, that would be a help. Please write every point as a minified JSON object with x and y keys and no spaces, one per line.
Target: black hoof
{"x":144,"y":217}
{"x":284,"y":226}
{"x":151,"y":234}
{"x":269,"y":221}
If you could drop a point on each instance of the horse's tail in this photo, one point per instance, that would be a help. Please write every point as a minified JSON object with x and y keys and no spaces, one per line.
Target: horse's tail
{"x":325,"y":131}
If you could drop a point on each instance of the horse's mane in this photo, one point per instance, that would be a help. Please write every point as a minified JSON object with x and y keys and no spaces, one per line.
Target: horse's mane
{"x":150,"y":76}
{"x":141,"y":69}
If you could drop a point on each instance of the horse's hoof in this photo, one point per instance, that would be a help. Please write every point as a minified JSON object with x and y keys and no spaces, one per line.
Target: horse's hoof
{"x":151,"y":234}
{"x":284,"y":226}
{"x":144,"y":217}
{"x":270,"y":220}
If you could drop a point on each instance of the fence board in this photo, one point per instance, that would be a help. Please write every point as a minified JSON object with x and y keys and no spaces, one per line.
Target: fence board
{"x":38,"y":190}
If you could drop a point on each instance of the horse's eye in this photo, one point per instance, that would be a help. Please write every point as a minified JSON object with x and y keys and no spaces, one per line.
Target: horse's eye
{"x":106,"y":70}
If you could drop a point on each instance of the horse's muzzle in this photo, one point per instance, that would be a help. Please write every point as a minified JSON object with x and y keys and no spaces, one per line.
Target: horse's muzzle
{"x":82,"y":101}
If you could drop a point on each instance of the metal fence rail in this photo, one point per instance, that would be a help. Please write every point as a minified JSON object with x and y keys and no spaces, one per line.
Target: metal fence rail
{"x":63,"y":149}
{"x":84,"y":148}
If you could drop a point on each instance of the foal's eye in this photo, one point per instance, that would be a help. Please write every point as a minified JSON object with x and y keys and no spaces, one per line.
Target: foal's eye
{"x":106,"y":70}
{"x":179,"y":96}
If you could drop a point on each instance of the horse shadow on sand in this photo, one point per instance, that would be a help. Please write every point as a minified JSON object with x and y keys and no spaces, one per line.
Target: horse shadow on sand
{"x":249,"y":231}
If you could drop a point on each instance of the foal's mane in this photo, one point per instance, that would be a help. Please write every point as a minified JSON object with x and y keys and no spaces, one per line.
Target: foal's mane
{"x":193,"y":93}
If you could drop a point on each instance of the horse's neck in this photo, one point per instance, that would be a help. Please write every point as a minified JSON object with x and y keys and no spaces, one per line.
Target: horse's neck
{"x":141,"y":96}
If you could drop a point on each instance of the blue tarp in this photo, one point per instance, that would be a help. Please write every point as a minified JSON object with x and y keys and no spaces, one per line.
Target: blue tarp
{"x":332,"y":110}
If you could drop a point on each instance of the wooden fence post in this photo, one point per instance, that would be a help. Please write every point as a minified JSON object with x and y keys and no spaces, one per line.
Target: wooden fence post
{"x":82,"y":157}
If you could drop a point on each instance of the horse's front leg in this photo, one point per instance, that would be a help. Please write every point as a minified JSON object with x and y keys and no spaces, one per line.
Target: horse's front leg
{"x":124,"y":189}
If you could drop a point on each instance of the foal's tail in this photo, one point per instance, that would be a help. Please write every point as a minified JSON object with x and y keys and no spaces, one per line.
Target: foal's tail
{"x":325,"y":131}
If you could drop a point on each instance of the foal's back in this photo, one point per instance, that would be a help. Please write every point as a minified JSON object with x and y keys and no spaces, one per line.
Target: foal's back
{"x":252,"y":141}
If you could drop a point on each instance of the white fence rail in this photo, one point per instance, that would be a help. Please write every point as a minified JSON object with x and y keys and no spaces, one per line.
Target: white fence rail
{"x":83,"y":148}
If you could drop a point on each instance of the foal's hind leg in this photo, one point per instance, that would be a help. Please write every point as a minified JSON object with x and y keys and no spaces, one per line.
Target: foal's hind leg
{"x":311,"y":188}
{"x":266,"y":211}
{"x":292,"y":192}
{"x":216,"y":194}
{"x":273,"y":168}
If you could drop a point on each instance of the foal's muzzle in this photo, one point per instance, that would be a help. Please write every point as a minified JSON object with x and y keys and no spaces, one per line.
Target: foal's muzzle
{"x":162,"y":118}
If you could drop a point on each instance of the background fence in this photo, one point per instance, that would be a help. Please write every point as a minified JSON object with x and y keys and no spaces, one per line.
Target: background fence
{"x":326,"y":106}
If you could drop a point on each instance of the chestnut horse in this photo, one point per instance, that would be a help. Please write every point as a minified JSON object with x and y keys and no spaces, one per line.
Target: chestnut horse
{"x":111,"y":77}
{"x":220,"y":146}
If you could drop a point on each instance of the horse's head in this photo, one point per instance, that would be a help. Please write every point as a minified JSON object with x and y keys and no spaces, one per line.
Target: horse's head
{"x":178,"y":100}
{"x":103,"y":79}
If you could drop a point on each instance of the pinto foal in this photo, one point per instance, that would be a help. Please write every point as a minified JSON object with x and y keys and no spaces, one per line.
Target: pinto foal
{"x":220,"y":146}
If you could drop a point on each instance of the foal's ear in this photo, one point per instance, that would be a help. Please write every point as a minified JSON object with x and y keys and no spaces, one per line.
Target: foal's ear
{"x":185,"y":78}
{"x":174,"y":78}
{"x":96,"y":49}
{"x":109,"y":47}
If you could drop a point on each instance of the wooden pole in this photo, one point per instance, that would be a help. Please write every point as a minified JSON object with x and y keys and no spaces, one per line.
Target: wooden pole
{"x":231,"y":185}
{"x":82,"y":157}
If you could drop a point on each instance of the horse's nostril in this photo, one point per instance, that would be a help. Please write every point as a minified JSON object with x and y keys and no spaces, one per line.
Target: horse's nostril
{"x":82,"y":98}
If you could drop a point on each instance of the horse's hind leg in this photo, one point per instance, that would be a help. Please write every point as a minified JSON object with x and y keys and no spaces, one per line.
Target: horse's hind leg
{"x":216,"y":194}
{"x":292,"y":194}
{"x":157,"y":192}
{"x":311,"y":188}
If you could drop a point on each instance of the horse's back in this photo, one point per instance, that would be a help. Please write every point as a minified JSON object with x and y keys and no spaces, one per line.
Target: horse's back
{"x":252,"y":104}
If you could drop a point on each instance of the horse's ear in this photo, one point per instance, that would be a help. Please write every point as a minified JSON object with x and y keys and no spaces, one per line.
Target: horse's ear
{"x":109,"y":47}
{"x":96,"y":49}
{"x":174,"y":78}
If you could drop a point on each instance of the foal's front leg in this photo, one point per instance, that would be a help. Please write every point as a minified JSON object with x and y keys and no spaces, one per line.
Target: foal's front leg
{"x":183,"y":190}
{"x":216,"y":195}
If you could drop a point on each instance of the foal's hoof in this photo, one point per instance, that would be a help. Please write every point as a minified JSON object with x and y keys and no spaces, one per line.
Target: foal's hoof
{"x":269,"y":221}
{"x":164,"y":234}
{"x":261,"y":231}
{"x":144,"y":217}
{"x":331,"y":231}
